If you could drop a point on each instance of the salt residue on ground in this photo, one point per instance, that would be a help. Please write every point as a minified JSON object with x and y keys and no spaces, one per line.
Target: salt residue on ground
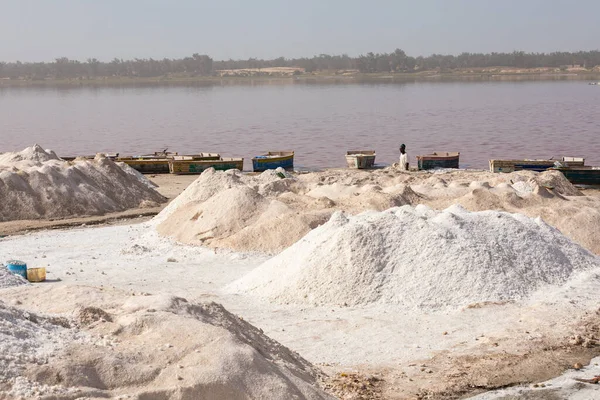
{"x":418,"y":257}
{"x":270,"y":211}
{"x":36,"y":184}
{"x":143,"y":347}
{"x":8,"y":279}
{"x":26,"y":340}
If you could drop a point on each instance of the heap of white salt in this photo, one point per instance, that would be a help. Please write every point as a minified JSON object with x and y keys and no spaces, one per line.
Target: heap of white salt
{"x":417,"y":257}
{"x":9,"y":279}
{"x":35,"y":184}
{"x":200,"y":350}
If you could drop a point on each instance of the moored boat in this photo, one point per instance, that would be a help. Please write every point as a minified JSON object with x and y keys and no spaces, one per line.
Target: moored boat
{"x":581,"y":175}
{"x":533,"y":165}
{"x":360,"y":159}
{"x":273,"y":160}
{"x":181,"y":167}
{"x":158,"y":162}
{"x":199,"y":156}
{"x":438,"y":159}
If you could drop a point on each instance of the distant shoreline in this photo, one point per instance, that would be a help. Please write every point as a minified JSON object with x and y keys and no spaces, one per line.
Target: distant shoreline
{"x":318,"y":78}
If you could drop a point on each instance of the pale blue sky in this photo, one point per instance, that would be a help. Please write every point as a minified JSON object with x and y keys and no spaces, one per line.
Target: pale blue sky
{"x":32,"y":30}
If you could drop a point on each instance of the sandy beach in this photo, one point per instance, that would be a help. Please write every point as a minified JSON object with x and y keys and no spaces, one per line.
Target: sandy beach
{"x":336,"y":284}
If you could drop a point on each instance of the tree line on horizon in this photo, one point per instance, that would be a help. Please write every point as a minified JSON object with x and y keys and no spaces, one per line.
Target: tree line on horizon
{"x":203,"y":65}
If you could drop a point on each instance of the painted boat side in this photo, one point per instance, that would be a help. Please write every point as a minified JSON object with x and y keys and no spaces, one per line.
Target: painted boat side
{"x":147,"y":166}
{"x":432,"y":161}
{"x":263,"y":164}
{"x":582,"y":175}
{"x":532,"y":165}
{"x":199,"y":166}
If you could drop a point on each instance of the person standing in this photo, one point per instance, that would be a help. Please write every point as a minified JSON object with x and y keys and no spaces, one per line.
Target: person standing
{"x":403,"y":158}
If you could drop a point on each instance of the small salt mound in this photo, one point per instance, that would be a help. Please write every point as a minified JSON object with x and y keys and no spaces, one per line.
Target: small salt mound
{"x":27,"y":338}
{"x":208,"y":184}
{"x":34,"y":153}
{"x":417,"y":257}
{"x":34,"y":186}
{"x":557,"y":182}
{"x":8,"y":279}
{"x":273,"y":175}
{"x":224,"y":213}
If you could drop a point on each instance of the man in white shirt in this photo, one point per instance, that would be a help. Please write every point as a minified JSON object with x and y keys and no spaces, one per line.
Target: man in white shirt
{"x":403,"y":158}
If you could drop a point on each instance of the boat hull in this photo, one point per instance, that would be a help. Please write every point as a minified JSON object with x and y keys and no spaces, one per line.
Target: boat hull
{"x":271,"y":161}
{"x":581,"y":175}
{"x":532,"y":165}
{"x":195,"y":167}
{"x":147,"y":166}
{"x":438,"y":160}
{"x":360,"y":159}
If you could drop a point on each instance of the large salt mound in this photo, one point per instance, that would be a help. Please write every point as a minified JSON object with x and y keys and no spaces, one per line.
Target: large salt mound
{"x":417,"y":257}
{"x":36,"y":184}
{"x":143,"y":347}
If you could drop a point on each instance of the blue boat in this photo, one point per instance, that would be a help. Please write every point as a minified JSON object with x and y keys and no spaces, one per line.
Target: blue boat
{"x":273,"y":160}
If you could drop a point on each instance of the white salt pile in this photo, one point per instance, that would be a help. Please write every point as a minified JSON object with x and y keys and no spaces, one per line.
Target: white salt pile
{"x":417,"y":257}
{"x":159,"y":347}
{"x":27,"y":339}
{"x":8,"y":279}
{"x":37,"y":184}
{"x":273,"y":210}
{"x":239,"y":212}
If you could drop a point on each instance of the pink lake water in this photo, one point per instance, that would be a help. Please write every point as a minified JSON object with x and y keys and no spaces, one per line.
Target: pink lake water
{"x":481,"y":120}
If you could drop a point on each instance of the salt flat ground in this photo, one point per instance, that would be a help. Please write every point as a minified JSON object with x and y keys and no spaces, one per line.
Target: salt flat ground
{"x":410,"y":349}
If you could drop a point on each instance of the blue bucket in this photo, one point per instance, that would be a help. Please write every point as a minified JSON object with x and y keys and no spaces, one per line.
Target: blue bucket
{"x":17,"y":267}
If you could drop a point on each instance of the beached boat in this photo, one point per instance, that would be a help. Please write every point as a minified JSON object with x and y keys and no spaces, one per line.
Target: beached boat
{"x":438,"y":159}
{"x":533,"y":165}
{"x":181,"y":167}
{"x":273,"y":160}
{"x":360,"y":159}
{"x":581,"y":175}
{"x":199,"y":156}
{"x":158,"y":163}
{"x":147,"y":164}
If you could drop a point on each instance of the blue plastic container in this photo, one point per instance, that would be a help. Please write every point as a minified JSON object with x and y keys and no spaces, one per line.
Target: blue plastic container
{"x":17,"y":267}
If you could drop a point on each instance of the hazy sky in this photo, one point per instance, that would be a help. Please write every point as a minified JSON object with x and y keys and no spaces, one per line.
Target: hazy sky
{"x":41,"y":30}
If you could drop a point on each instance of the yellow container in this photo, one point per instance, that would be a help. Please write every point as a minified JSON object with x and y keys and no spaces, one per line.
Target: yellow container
{"x":36,"y":274}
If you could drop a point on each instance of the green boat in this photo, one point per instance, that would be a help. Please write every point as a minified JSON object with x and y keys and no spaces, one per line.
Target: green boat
{"x":581,"y":175}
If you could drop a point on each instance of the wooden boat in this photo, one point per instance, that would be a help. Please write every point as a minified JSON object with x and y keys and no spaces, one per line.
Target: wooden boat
{"x":180,"y":167}
{"x":273,"y":160}
{"x":360,"y":159}
{"x":146,"y":164}
{"x":438,"y":159}
{"x":199,"y":156}
{"x":158,"y":163}
{"x":533,"y":165}
{"x":581,"y":175}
